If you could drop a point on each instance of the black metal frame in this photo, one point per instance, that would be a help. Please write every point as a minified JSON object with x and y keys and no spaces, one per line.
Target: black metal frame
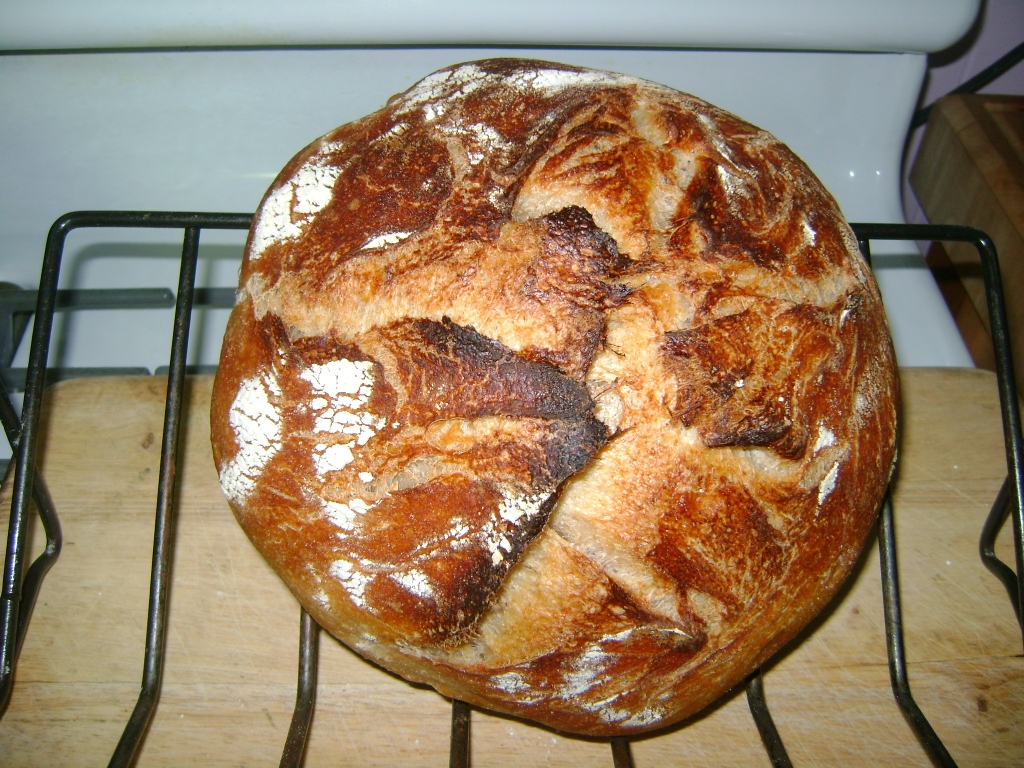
{"x":22,"y":582}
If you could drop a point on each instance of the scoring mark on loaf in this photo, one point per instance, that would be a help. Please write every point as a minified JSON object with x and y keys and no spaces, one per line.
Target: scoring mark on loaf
{"x":425,"y":525}
{"x":432,"y":575}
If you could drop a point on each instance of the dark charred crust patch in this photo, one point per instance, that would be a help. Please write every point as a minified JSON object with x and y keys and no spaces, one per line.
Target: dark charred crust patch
{"x":580,"y":262}
{"x":574,"y":444}
{"x":449,"y":371}
{"x":741,"y":379}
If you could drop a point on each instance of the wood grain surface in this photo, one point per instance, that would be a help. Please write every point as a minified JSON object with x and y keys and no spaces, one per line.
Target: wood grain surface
{"x":229,"y":684}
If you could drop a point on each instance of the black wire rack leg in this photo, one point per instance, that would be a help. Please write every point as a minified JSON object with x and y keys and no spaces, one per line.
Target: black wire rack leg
{"x":987,"y":544}
{"x":763,"y":720}
{"x":894,"y":642}
{"x":1008,"y":403}
{"x":24,"y":486}
{"x":160,"y":579}
{"x":458,"y":753}
{"x":32,"y":581}
{"x":891,"y":605}
{"x":305,"y":693}
{"x":622,"y":756}
{"x":999,"y":327}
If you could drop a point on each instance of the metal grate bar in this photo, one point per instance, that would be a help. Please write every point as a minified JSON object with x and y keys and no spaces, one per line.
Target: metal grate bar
{"x":217,"y":298}
{"x":163,"y":541}
{"x":1000,"y":331}
{"x":15,"y":379}
{"x":33,"y":578}
{"x":20,"y":583}
{"x":993,"y":71}
{"x":17,"y":304}
{"x":987,"y":544}
{"x":892,"y":609}
{"x":24,"y":471}
{"x":765,"y":725}
{"x":894,"y":636}
{"x":458,"y":749}
{"x":622,"y":755}
{"x":305,"y":694}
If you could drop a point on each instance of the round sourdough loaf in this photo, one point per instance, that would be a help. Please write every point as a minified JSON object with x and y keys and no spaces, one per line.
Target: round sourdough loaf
{"x":559,"y":390}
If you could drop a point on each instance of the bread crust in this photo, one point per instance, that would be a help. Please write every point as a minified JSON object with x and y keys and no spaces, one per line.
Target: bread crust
{"x":558,"y":390}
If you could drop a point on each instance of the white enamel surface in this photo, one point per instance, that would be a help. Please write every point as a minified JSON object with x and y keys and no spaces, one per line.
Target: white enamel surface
{"x":886,"y":25}
{"x":209,"y":131}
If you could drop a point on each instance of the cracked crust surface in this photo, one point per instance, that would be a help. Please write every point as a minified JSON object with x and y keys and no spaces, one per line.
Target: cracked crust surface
{"x":561,"y":391}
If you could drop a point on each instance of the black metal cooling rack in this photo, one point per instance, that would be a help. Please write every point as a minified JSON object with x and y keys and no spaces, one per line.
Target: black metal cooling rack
{"x":22,"y":580}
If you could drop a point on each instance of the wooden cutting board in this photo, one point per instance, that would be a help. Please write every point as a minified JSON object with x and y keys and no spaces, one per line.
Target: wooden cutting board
{"x":233,"y":639}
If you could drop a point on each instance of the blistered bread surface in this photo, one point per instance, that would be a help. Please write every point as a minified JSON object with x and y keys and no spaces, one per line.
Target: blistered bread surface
{"x":559,"y":390}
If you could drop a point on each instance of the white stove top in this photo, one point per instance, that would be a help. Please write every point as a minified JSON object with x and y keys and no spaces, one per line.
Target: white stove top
{"x":821,"y":25}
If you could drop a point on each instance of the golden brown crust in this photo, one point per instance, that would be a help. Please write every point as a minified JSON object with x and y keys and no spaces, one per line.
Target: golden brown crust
{"x":558,"y":390}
